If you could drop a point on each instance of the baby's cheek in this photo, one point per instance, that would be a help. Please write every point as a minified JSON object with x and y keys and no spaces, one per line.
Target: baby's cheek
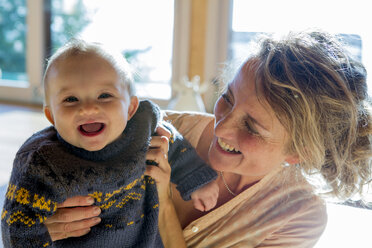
{"x":116,"y":128}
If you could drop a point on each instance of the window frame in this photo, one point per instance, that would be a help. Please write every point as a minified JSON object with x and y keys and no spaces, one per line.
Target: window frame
{"x":34,"y":59}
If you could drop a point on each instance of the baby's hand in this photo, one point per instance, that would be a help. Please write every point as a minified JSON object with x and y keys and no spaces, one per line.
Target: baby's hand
{"x":205,"y":198}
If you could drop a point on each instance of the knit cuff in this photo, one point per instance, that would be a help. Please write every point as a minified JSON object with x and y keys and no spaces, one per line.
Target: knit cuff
{"x":195,"y":180}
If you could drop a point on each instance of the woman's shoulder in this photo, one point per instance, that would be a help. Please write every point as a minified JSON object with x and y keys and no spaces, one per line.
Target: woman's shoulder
{"x":300,"y":211}
{"x":304,"y":224}
{"x":291,"y":184}
{"x":179,"y":117}
{"x":190,"y":124}
{"x":287,"y":210}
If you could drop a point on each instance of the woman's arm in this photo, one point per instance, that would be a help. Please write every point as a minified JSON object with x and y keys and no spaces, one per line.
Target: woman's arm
{"x":169,"y":225}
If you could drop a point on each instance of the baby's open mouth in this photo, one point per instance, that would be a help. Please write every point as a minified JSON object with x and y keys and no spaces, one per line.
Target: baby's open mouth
{"x":91,"y":129}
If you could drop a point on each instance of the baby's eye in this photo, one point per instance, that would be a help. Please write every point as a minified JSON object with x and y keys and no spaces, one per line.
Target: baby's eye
{"x":104,"y":95}
{"x":71,"y":99}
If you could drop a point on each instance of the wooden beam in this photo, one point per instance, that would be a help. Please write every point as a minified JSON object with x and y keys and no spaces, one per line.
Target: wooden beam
{"x":197,"y":38}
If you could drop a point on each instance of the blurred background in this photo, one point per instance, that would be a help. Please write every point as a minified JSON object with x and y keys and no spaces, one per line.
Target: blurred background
{"x":178,"y":49}
{"x":165,"y":40}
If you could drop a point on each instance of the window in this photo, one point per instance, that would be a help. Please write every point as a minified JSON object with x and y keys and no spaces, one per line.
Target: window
{"x":13,"y":42}
{"x":348,"y":19}
{"x":142,"y":30}
{"x":152,"y":35}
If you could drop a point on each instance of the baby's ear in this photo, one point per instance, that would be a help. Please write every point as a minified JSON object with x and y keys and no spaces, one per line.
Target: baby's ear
{"x":133,"y":106}
{"x":48,"y":114}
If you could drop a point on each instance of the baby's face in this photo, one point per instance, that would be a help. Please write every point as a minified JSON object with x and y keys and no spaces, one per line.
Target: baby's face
{"x":88,"y":104}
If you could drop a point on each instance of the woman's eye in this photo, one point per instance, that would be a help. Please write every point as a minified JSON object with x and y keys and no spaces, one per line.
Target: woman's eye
{"x":104,"y":95}
{"x":227,"y":99}
{"x":251,"y":129}
{"x":71,"y":99}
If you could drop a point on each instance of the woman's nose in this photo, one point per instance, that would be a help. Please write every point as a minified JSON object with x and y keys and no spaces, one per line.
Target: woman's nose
{"x":225,"y":125}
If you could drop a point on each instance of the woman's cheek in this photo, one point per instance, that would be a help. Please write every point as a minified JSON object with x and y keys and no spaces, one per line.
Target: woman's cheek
{"x":248,"y":142}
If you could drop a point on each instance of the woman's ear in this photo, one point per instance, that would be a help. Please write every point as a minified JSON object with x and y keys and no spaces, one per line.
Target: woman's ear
{"x":293,"y":159}
{"x":133,"y":106}
{"x":48,"y":114}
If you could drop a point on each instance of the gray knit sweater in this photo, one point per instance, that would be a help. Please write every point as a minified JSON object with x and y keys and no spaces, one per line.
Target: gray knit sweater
{"x":47,"y":170}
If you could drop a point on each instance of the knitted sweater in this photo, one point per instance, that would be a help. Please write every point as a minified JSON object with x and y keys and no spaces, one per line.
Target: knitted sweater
{"x":47,"y":170}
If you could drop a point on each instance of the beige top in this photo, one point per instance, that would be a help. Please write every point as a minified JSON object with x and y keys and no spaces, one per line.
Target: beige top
{"x":279,"y":211}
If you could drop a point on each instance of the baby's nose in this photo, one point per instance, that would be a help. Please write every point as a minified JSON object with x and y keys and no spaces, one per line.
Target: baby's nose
{"x":89,"y":109}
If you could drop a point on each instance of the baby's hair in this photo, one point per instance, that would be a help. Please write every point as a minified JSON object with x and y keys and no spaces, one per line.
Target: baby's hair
{"x":78,"y":47}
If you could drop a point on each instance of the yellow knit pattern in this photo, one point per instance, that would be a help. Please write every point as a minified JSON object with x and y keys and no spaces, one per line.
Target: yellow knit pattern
{"x":41,"y":218}
{"x":24,"y":197}
{"x":11,"y":191}
{"x":103,"y":198}
{"x":100,"y":197}
{"x":19,"y":216}
{"x":107,"y":205}
{"x":130,"y":196}
{"x":41,"y":203}
{"x":171,"y":138}
{"x":3,"y":214}
{"x":97,"y":196}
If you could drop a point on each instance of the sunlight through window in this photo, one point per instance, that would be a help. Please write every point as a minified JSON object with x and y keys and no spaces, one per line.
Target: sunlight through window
{"x":142,"y":30}
{"x":350,"y":19}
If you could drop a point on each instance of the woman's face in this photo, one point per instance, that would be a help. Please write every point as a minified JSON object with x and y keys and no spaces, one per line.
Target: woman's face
{"x":248,"y":139}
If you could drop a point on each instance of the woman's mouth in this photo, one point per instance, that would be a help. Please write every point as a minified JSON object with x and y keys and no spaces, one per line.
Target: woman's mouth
{"x":91,"y":129}
{"x":227,"y":147}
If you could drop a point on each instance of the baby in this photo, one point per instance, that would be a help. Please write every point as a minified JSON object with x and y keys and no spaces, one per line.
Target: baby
{"x":96,"y":146}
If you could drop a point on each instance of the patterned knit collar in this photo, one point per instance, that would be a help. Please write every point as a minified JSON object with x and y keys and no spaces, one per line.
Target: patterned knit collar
{"x":109,"y":152}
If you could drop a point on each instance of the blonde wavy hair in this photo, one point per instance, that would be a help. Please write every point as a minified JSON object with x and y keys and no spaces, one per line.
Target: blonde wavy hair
{"x":319,"y":93}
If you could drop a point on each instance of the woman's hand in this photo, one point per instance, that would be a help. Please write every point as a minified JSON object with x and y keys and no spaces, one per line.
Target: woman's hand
{"x":73,"y":218}
{"x":169,"y":225}
{"x":158,"y":153}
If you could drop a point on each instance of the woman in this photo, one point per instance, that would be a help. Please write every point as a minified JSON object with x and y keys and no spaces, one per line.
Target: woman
{"x":297,"y":110}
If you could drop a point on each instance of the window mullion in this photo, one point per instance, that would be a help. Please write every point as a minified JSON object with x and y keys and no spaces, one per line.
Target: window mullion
{"x":181,"y":39}
{"x":35,"y":48}
{"x":217,"y":42}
